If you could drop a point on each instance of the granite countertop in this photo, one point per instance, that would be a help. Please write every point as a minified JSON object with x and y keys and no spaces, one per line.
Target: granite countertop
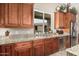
{"x":73,"y":50}
{"x":10,"y":40}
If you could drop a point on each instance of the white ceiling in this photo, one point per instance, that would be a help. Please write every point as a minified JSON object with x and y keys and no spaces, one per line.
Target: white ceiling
{"x":50,"y":7}
{"x":46,"y":7}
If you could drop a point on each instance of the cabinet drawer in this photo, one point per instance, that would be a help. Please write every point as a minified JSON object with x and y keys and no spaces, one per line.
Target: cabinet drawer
{"x":24,"y":44}
{"x":38,"y":42}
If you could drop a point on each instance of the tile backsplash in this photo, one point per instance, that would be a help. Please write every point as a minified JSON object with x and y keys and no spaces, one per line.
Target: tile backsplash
{"x":16,"y":31}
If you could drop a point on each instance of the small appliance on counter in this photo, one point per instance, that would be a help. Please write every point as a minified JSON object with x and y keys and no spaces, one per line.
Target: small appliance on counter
{"x":59,"y":31}
{"x":6,"y":38}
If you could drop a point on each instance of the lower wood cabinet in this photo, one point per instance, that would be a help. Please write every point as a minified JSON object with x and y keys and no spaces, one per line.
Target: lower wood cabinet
{"x":7,"y":50}
{"x":23,"y":49}
{"x":56,"y":44}
{"x":67,"y":41}
{"x":38,"y":47}
{"x":51,"y":45}
{"x":48,"y":46}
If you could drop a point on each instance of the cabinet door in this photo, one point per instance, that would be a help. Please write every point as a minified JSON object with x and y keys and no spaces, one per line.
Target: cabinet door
{"x":56,"y":22}
{"x":1,"y":50}
{"x":59,"y":19}
{"x":67,"y":42}
{"x":2,"y":6}
{"x":27,"y":15}
{"x":39,"y":50}
{"x":11,"y":14}
{"x":7,"y":50}
{"x":55,"y":44}
{"x":38,"y":47}
{"x":68,"y":18}
{"x":48,"y":46}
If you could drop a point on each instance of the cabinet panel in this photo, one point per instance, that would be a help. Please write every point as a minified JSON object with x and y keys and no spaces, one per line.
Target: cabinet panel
{"x":27,"y":15}
{"x":38,"y":47}
{"x":56,"y":22}
{"x":62,"y":20}
{"x":39,"y":50}
{"x":67,"y":42}
{"x":11,"y":14}
{"x":68,"y":18}
{"x":59,"y":17}
{"x":48,"y":46}
{"x":51,"y":46}
{"x":7,"y":50}
{"x":55,"y":44}
{"x":2,"y":6}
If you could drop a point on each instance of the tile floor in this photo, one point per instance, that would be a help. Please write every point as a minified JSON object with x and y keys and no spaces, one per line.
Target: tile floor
{"x":60,"y":53}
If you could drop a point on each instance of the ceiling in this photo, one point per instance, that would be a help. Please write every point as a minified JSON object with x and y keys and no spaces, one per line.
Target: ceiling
{"x":50,"y":7}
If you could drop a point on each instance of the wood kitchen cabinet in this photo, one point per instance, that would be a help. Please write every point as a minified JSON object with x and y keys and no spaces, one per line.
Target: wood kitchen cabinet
{"x":23,"y":49}
{"x":56,"y":44}
{"x":1,"y":14}
{"x":7,"y":50}
{"x":67,"y":41}
{"x":51,"y":46}
{"x":68,"y":17}
{"x":38,"y":47}
{"x":62,"y":20}
{"x":11,"y":15}
{"x":27,"y":15}
{"x":59,"y":17}
{"x":16,"y":15}
{"x":48,"y":47}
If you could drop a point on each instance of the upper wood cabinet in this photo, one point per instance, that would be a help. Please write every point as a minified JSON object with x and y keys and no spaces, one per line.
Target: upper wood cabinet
{"x":16,"y":15}
{"x":1,"y":14}
{"x":59,"y":17}
{"x":62,"y":20}
{"x":27,"y":15}
{"x":68,"y":17}
{"x":11,"y":15}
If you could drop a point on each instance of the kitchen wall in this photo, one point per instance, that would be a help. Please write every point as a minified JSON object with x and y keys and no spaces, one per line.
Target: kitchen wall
{"x":50,"y":8}
{"x":14,"y":31}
